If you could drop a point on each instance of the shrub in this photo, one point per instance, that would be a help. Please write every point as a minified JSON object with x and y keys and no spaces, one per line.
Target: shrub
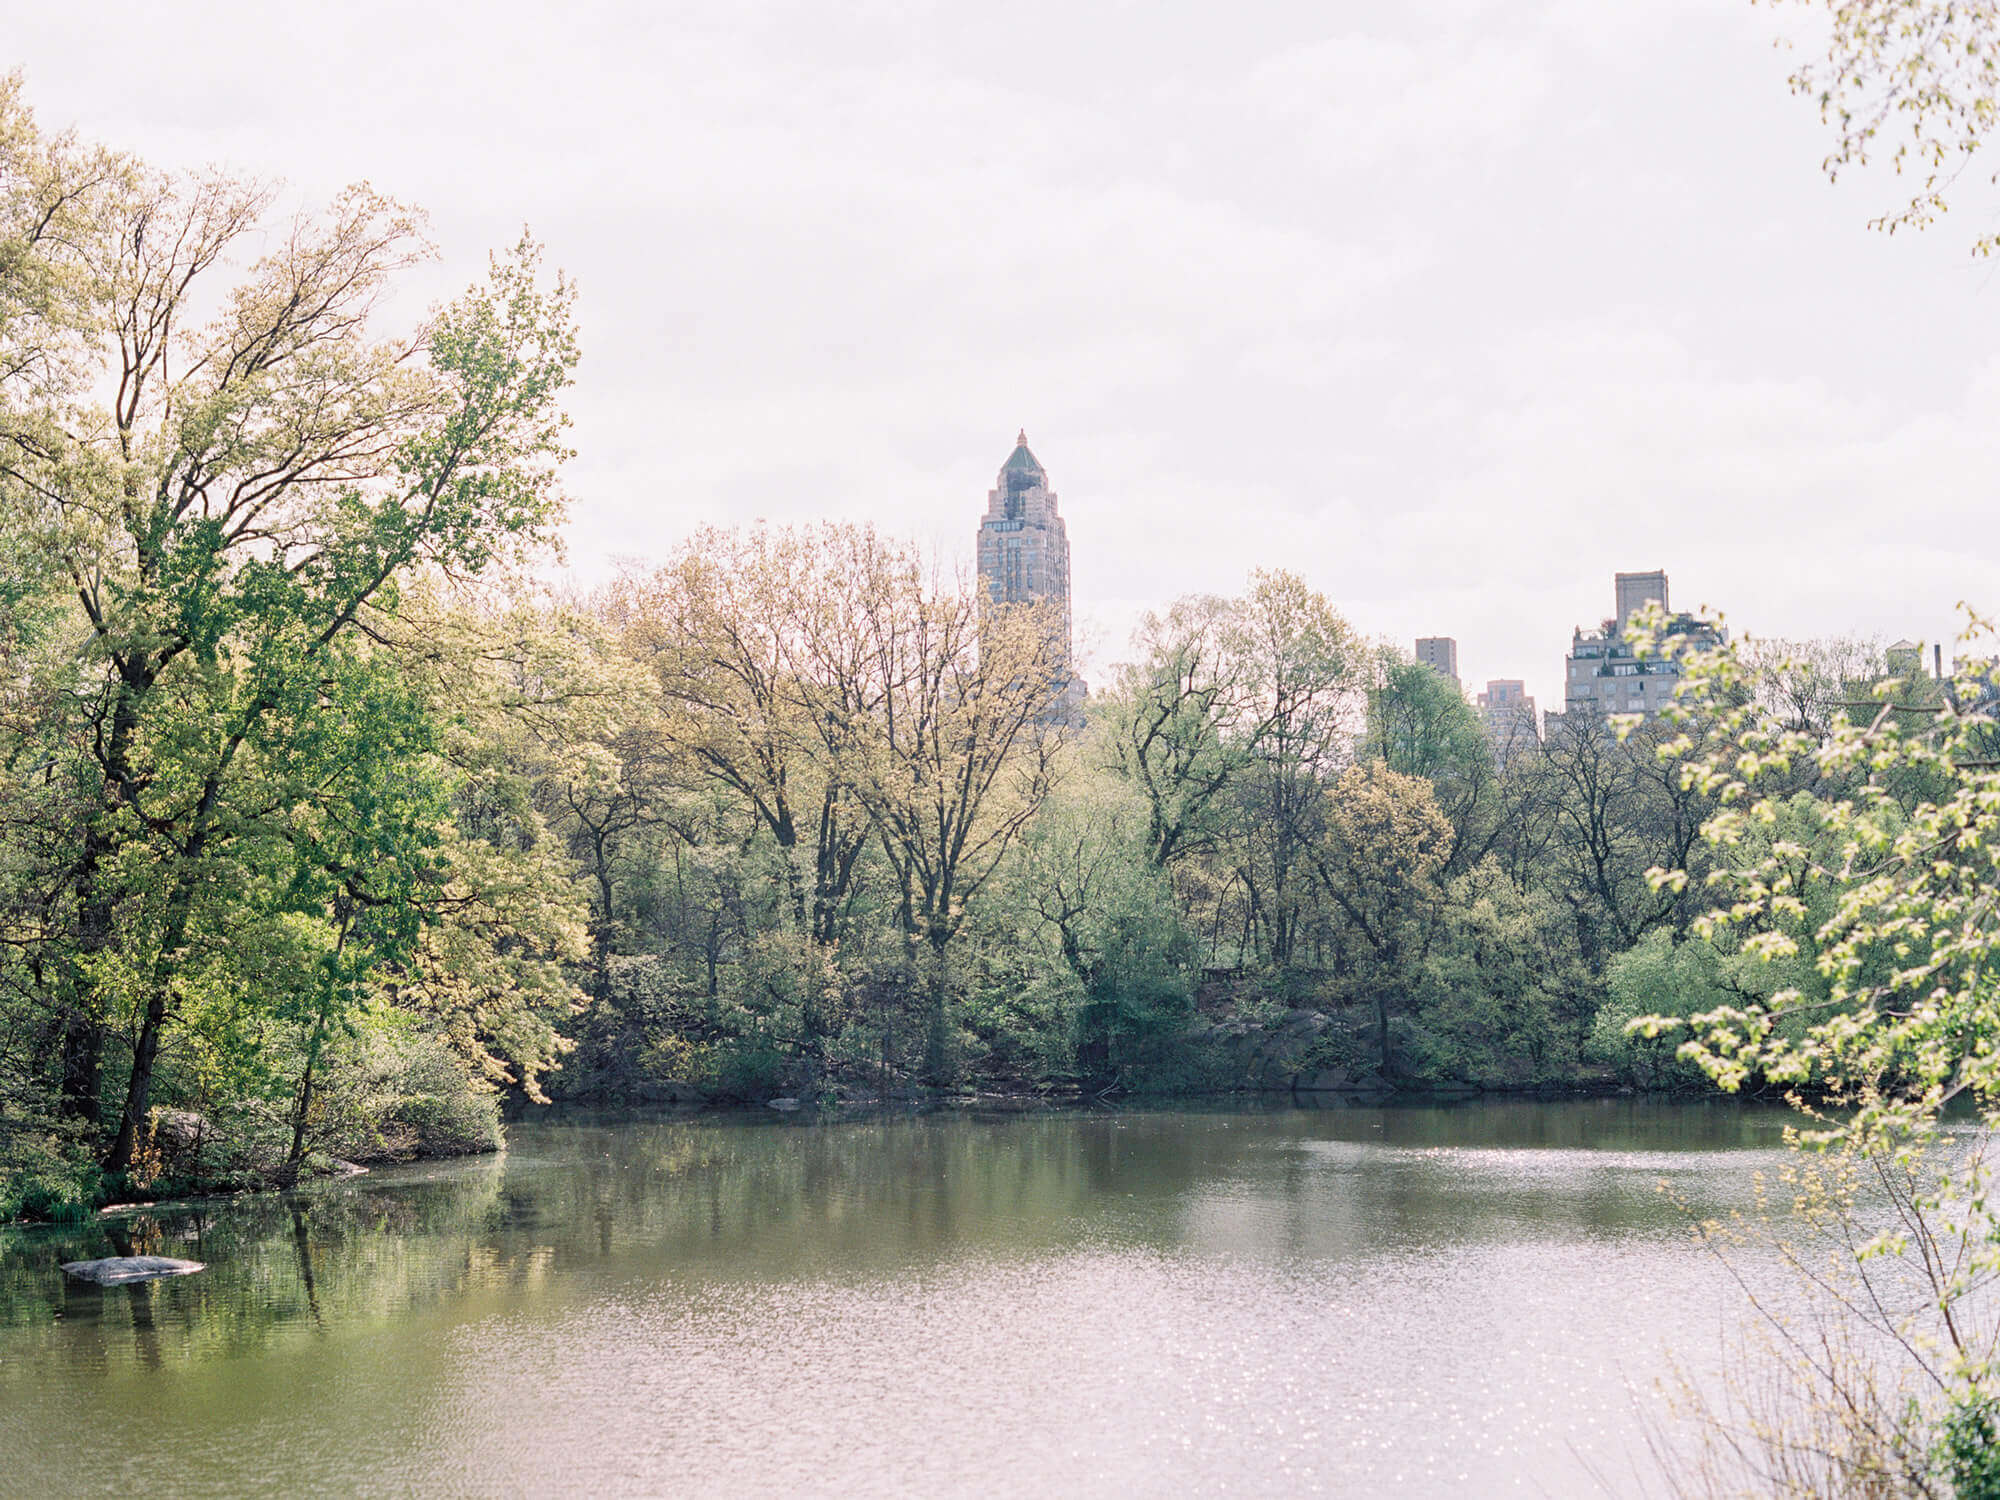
{"x":1657,"y":976}
{"x":406,"y":1094}
{"x":45,"y":1176}
{"x":1967,"y":1450}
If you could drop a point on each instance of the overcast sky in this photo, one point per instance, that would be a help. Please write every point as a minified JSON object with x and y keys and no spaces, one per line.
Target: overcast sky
{"x":1454,"y":307}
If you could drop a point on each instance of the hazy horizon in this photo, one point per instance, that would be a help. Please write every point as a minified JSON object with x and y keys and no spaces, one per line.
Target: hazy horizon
{"x":1456,"y":310}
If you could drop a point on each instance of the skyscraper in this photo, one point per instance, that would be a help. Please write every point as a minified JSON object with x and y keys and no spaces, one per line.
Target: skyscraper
{"x":1023,"y":548}
{"x":1440,"y":654}
{"x":1605,"y":675}
{"x":1637,"y":590}
{"x":1509,"y":715}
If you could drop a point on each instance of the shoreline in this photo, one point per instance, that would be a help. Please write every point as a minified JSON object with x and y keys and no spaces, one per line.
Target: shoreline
{"x":858,"y":1107}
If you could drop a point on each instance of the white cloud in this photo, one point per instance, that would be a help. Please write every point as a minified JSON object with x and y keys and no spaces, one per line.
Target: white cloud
{"x":1360,"y":101}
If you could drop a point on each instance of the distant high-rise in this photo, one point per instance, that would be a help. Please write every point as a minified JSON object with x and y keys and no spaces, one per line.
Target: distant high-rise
{"x":1023,"y":547}
{"x":1509,"y":715}
{"x":1904,"y":659}
{"x":1440,"y":654}
{"x":1636,"y":591}
{"x":1605,"y":675}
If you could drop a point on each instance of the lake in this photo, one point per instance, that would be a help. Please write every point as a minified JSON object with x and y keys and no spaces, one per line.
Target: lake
{"x":1406,"y":1300}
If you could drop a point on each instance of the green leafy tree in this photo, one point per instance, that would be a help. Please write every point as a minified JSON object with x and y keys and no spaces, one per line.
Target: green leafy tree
{"x":1087,"y":871}
{"x":1855,"y":932}
{"x":1174,"y":725}
{"x":1916,"y":80}
{"x":1419,"y":723}
{"x":1302,"y":670}
{"x":235,"y":502}
{"x":1381,"y":863}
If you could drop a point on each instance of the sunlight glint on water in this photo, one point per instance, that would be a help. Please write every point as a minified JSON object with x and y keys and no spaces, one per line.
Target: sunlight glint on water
{"x":1366,"y":1301}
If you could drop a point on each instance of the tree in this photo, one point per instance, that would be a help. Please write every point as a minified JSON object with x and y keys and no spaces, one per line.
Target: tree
{"x":1806,"y":685}
{"x":235,"y":507}
{"x":958,"y":756}
{"x":1381,"y":863}
{"x":1617,"y":812}
{"x":1086,"y":868}
{"x":1500,"y":995}
{"x":737,"y":632}
{"x":1173,"y":724}
{"x":1302,"y":671}
{"x":1419,"y":723}
{"x":1855,"y":934}
{"x":1923,"y":74}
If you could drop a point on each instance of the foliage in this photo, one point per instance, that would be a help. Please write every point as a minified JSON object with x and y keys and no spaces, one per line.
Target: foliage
{"x":1659,"y":973}
{"x":234,"y":669}
{"x":1419,"y":722}
{"x":1851,"y":935}
{"x":320,"y":827}
{"x":830,"y":846}
{"x":1967,"y":1448}
{"x":1889,"y":899}
{"x":45,"y":1174}
{"x":1916,"y":78}
{"x":1173,"y":725}
{"x":1502,"y":991}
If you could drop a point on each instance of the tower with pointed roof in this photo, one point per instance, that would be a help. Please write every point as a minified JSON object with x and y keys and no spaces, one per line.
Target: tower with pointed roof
{"x":1023,"y":548}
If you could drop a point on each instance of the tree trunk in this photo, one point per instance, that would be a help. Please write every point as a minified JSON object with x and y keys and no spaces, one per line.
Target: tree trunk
{"x":600,"y":937}
{"x":940,"y":1061}
{"x":298,"y":1152}
{"x":139,"y":1089}
{"x":82,"y":1050}
{"x":83,"y":1030}
{"x":299,"y":1112}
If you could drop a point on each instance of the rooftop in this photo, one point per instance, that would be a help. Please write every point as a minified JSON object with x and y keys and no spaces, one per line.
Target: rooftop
{"x":1021,"y":461}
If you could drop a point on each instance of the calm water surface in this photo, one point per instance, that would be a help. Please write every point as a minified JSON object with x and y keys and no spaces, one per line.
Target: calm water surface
{"x":1413,"y":1301}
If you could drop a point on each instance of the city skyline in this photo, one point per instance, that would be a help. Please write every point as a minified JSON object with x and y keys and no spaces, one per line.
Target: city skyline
{"x":1378,"y":286}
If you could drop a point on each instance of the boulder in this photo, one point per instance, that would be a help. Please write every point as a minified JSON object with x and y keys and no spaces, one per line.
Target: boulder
{"x":784,"y":1106}
{"x":181,"y":1129}
{"x":117,"y":1270}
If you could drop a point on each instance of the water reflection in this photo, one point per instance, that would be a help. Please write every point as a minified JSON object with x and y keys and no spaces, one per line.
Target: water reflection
{"x":1359,"y":1299}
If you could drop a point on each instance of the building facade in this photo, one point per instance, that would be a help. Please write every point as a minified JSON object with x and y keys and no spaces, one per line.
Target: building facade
{"x":1024,"y":548}
{"x":1635,"y":591}
{"x":1604,"y":673}
{"x":1440,"y":654}
{"x":1512,"y":725}
{"x":1904,"y":659}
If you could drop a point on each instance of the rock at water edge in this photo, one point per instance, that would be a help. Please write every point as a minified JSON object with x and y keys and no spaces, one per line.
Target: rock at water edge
{"x":117,"y":1270}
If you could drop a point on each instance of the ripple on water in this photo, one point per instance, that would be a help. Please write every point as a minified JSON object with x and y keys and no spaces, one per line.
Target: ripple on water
{"x":1509,"y":1368}
{"x":1387,"y":1304}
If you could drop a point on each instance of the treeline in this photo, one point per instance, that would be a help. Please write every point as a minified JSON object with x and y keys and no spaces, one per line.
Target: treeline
{"x":321,"y":837}
{"x":842,"y":831}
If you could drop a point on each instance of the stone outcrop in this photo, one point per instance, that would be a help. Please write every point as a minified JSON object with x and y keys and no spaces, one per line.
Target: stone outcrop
{"x":119,"y":1270}
{"x":181,"y":1130}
